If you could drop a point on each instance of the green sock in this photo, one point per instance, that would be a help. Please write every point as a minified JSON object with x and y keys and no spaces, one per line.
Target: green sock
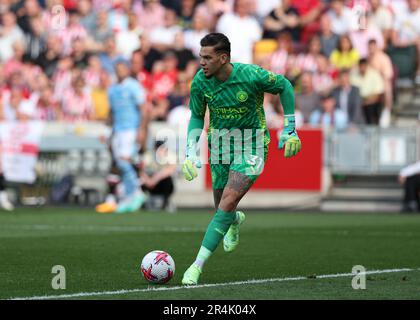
{"x":217,"y":229}
{"x":202,"y":257}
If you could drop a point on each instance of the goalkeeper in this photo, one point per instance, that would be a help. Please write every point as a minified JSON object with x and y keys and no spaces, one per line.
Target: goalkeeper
{"x":234,"y":94}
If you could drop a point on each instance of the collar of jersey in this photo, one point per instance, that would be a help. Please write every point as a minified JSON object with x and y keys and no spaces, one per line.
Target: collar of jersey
{"x":232,"y":74}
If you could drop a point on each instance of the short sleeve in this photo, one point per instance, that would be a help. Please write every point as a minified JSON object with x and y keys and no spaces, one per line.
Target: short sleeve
{"x":197,"y":102}
{"x":270,"y":82}
{"x":137,"y":92}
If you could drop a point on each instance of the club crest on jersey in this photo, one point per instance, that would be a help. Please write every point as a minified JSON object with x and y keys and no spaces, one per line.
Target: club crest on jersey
{"x":242,"y":96}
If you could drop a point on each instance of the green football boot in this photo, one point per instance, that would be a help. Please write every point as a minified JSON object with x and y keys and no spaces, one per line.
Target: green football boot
{"x":231,"y":239}
{"x":191,"y":276}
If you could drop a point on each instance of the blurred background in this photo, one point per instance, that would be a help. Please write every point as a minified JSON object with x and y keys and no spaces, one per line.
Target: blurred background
{"x":354,"y":66}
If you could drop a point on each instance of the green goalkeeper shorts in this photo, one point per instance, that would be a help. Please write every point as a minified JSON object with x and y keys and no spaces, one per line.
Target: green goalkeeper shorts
{"x":251,"y":165}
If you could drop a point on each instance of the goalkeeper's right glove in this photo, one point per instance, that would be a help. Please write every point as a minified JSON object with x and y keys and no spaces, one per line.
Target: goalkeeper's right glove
{"x":191,"y":162}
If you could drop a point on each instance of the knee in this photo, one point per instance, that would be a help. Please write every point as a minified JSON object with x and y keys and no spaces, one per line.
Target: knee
{"x":123,"y":164}
{"x":228,"y":203}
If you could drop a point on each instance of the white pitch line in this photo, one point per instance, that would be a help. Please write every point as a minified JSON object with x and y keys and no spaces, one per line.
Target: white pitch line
{"x":47,"y":227}
{"x":210,"y":285}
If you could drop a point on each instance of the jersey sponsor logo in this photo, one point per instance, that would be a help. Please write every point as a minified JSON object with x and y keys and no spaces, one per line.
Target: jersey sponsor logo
{"x":242,"y":96}
{"x":230,"y":112}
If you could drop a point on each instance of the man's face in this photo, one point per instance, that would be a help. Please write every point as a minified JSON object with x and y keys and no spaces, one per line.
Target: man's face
{"x":413,"y":5}
{"x":374,"y":3}
{"x":363,"y":68}
{"x":122,"y":71}
{"x":210,"y":61}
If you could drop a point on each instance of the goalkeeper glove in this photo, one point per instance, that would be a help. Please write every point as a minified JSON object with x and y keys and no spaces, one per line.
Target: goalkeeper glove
{"x":191,"y":162}
{"x":289,"y":138}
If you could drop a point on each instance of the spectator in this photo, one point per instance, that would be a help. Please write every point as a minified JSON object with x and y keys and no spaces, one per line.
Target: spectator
{"x":92,"y":72}
{"x":327,"y":116}
{"x":49,"y":58}
{"x":157,"y":174}
{"x":165,"y":74}
{"x":16,"y":107}
{"x":180,"y":93}
{"x":371,"y":86}
{"x":117,"y":16}
{"x":233,"y":26}
{"x":283,"y":59}
{"x":102,"y":32}
{"x":142,"y":75}
{"x":73,"y":30}
{"x":211,"y":10}
{"x":285,"y":18}
{"x":87,"y":16}
{"x":79,"y":55}
{"x":62,"y":77}
{"x":328,"y":38}
{"x":309,"y":11}
{"x":263,"y":8}
{"x":110,"y":56}
{"x":323,"y":77}
{"x":129,"y":40}
{"x":150,"y":54}
{"x":273,"y":111}
{"x":99,"y":96}
{"x":344,"y":56}
{"x":381,"y":62}
{"x":381,"y":17}
{"x":341,"y":17}
{"x":152,"y":15}
{"x":9,"y":34}
{"x":187,"y":13}
{"x":407,"y":25}
{"x":308,"y":99}
{"x":348,"y":99}
{"x":360,"y":38}
{"x":184,"y":55}
{"x":308,"y":61}
{"x":15,"y":62}
{"x":27,"y":11}
{"x":409,"y":177}
{"x":193,"y":36}
{"x":5,"y":203}
{"x":48,"y":108}
{"x":179,"y":117}
{"x":77,"y":101}
{"x":35,"y":40}
{"x":406,"y":34}
{"x":163,"y":38}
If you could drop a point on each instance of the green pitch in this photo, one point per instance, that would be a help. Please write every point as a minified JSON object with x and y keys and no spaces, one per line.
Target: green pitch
{"x":102,"y":253}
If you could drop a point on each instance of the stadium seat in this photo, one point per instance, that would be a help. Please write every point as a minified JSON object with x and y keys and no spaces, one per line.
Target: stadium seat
{"x":264,"y":48}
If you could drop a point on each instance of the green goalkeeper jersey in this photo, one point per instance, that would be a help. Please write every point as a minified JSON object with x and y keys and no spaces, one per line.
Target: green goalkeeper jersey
{"x":237,"y":103}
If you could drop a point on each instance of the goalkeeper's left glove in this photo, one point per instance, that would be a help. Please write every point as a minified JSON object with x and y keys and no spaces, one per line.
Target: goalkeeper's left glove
{"x":191,"y":162}
{"x":289,"y":138}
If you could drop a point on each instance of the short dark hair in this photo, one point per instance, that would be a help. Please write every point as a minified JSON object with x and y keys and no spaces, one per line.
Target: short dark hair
{"x":372,"y":41}
{"x":219,"y":41}
{"x":363,"y":61}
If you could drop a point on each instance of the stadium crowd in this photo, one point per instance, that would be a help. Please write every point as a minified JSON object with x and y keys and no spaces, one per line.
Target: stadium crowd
{"x":343,"y":57}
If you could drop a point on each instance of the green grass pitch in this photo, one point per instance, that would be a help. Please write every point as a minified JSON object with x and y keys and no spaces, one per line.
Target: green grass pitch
{"x":102,"y":254}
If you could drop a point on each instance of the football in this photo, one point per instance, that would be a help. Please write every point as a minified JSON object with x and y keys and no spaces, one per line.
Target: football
{"x":158,"y":267}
